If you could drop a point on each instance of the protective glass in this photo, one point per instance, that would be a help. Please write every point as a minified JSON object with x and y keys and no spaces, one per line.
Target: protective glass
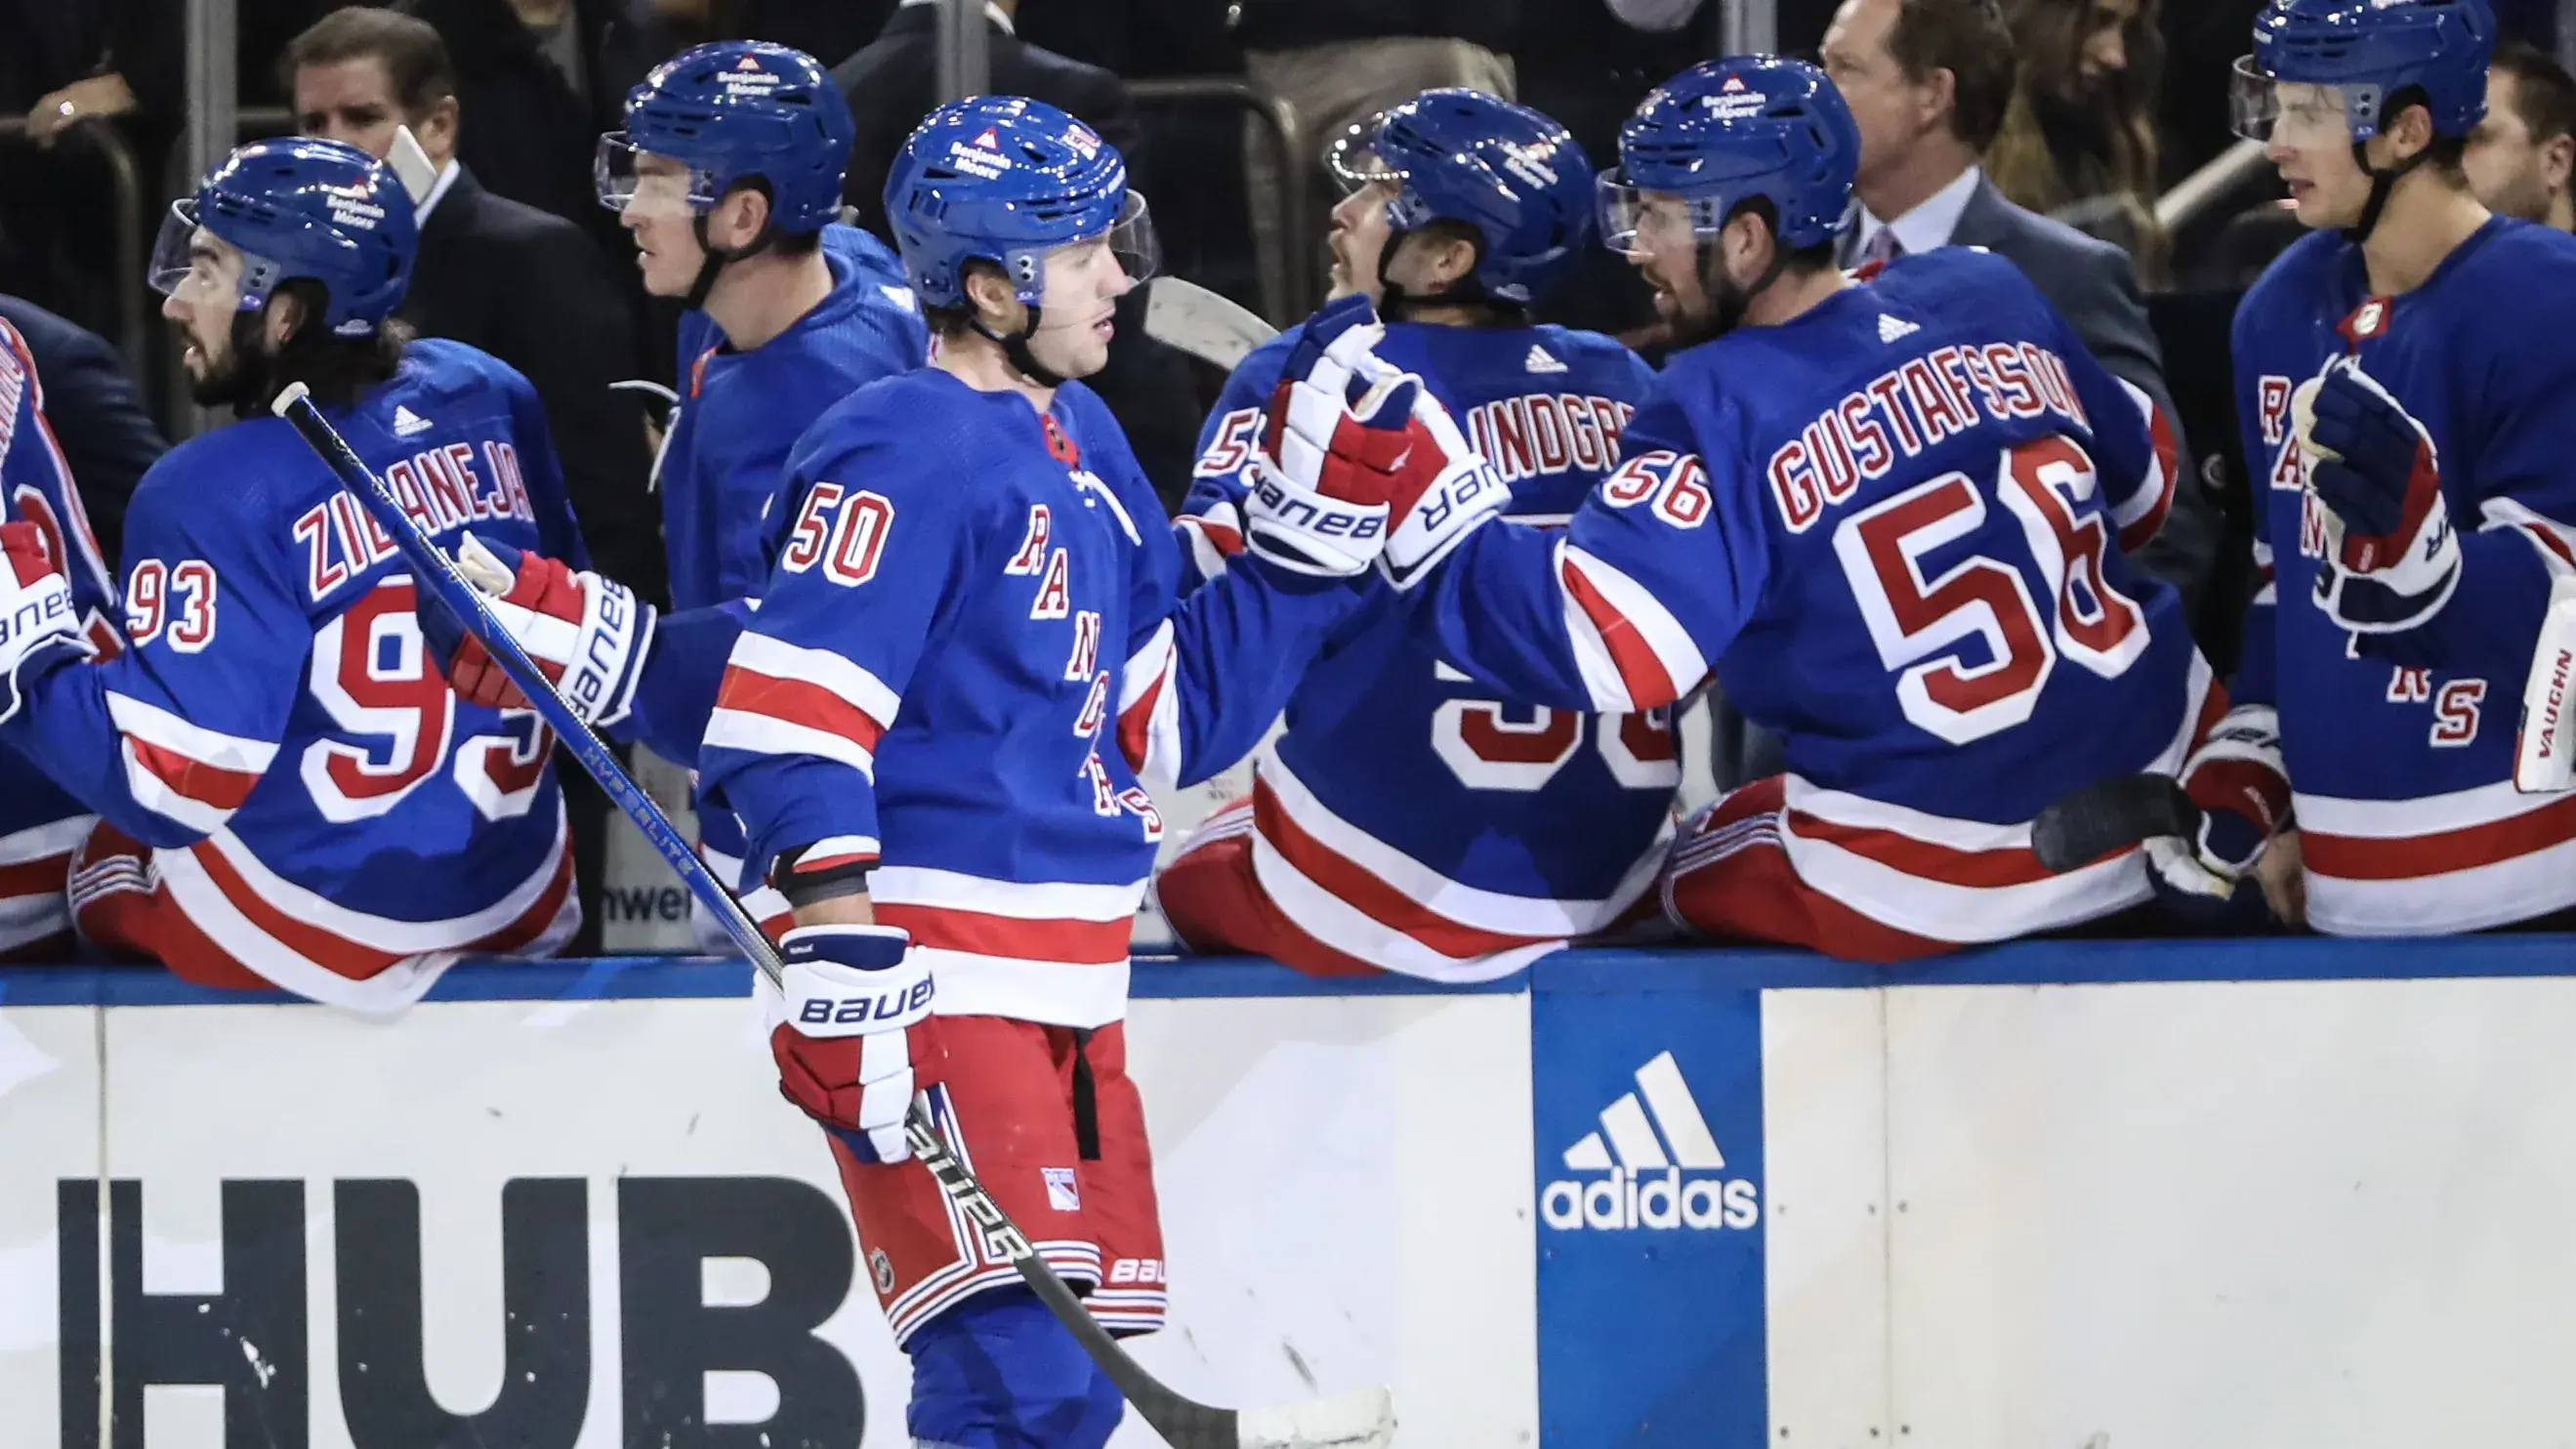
{"x":1351,"y":158}
{"x":1635,"y":220}
{"x":2297,"y":113}
{"x":1129,"y":245}
{"x":201,"y":269}
{"x":632,"y":179}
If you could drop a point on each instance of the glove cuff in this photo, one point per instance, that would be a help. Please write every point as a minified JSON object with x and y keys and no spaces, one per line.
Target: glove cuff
{"x":1456,"y":504}
{"x":1305,"y":531}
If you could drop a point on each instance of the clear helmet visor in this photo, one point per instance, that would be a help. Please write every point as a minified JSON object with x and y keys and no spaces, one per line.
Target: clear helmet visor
{"x":1128,"y":248}
{"x":2302,"y":114}
{"x":1634,"y":220}
{"x":1351,"y":158}
{"x":201,"y":269}
{"x":634,"y":180}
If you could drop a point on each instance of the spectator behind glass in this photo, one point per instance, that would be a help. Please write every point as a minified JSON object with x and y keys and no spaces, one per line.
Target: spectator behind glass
{"x":2519,"y":156}
{"x":1339,"y":61}
{"x":1929,"y":82}
{"x":522,"y":285}
{"x":2081,"y":123}
{"x":542,"y":79}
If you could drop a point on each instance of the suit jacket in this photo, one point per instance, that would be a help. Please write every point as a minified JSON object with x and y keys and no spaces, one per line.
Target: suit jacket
{"x":893,"y":81}
{"x":107,"y":438}
{"x":2092,"y":286}
{"x":531,"y":290}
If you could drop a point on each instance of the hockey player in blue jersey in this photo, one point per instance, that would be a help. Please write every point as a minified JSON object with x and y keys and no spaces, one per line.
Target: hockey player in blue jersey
{"x":1889,"y":511}
{"x":40,"y":826}
{"x":728,"y":174}
{"x":937,"y":726}
{"x":1402,"y":822}
{"x":289,"y":794}
{"x":2404,"y":385}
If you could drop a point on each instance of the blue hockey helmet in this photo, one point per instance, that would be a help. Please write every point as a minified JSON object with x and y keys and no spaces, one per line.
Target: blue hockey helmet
{"x":1513,"y":174}
{"x":736,"y":111}
{"x":2357,"y":55}
{"x":1005,"y":180}
{"x":1725,"y":131}
{"x":296,"y":208}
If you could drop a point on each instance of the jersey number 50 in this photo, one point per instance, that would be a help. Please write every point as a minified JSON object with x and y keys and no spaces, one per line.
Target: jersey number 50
{"x":373,"y":677}
{"x":1920,"y":624}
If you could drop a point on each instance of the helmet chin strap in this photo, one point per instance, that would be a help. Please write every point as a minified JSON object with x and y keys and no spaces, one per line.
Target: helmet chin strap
{"x":2383,"y":181}
{"x":713,"y":257}
{"x":1016,"y":348}
{"x":1395,"y":304}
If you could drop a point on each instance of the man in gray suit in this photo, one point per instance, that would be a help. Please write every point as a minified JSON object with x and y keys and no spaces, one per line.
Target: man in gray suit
{"x":1928,"y":81}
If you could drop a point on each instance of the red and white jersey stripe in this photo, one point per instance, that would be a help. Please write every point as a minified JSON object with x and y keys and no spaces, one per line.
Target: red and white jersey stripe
{"x":1051,"y":952}
{"x":2437,"y":864}
{"x":191,"y":774}
{"x":2143,"y":512}
{"x":1149,"y":712}
{"x":1634,"y":654}
{"x":1964,"y":881}
{"x":323,"y":950}
{"x":2554,"y":541}
{"x":34,"y":866}
{"x":1368,"y":900}
{"x":783,"y":699}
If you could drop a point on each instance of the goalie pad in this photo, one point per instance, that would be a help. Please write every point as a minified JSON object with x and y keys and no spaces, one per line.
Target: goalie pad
{"x":2544,"y":757}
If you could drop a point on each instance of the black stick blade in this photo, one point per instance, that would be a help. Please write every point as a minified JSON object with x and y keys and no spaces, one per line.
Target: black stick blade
{"x":2109,"y":816}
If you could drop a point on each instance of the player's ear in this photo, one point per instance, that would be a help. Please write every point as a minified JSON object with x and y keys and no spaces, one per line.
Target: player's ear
{"x":279,"y":320}
{"x":2558,"y":162}
{"x":738,"y":217}
{"x":990,"y":294}
{"x":2408,"y":132}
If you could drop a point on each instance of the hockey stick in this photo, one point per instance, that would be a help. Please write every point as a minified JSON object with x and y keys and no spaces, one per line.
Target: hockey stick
{"x":1364,"y":1419}
{"x":1188,"y":317}
{"x":2107,"y":816}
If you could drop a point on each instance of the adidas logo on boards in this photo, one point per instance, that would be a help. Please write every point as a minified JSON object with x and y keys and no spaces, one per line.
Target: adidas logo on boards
{"x":1891,"y":328}
{"x":407,"y":422}
{"x":1654,"y":1176}
{"x":1541,"y":360}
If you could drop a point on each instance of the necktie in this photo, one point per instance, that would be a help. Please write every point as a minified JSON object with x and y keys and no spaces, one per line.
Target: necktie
{"x":1881,"y":247}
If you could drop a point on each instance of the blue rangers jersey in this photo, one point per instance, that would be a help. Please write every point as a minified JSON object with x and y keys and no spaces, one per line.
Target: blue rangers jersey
{"x":1896,"y":527}
{"x":968,"y":662}
{"x":725,"y":457}
{"x":40,"y":826}
{"x":319,"y":804}
{"x":2401,"y":776}
{"x":1403,"y":818}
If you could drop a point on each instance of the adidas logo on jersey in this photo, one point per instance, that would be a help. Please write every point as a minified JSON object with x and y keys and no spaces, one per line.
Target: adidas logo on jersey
{"x":1891,"y":328}
{"x":1661,"y":1163}
{"x":1541,"y":360}
{"x":407,"y":422}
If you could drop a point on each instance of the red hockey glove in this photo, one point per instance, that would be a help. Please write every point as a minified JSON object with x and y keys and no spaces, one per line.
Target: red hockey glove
{"x":39,"y":623}
{"x":853,"y":995}
{"x":2391,"y":558}
{"x":2236,"y":778}
{"x":589,"y":634}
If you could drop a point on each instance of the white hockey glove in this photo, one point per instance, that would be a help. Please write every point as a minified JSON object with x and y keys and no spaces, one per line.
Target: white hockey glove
{"x":2236,"y":778}
{"x":1336,"y":430}
{"x":2544,"y":756}
{"x":852,"y":995}
{"x":39,"y":623}
{"x":588,"y":633}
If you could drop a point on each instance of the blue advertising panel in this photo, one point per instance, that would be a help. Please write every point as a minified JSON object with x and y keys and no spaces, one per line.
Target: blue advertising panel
{"x":1648,"y":1114}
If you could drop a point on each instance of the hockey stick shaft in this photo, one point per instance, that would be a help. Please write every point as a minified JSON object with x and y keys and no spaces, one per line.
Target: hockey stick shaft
{"x":435,"y":572}
{"x":1183,"y":1423}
